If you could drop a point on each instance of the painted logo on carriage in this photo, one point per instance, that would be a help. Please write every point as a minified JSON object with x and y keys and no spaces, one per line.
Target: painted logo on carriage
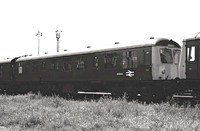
{"x":130,"y":73}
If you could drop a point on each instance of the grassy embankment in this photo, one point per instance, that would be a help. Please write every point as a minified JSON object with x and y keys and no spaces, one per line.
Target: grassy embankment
{"x":36,"y":112}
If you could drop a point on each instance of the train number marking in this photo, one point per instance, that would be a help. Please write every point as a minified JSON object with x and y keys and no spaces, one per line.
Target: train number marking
{"x":130,"y":73}
{"x":120,"y":74}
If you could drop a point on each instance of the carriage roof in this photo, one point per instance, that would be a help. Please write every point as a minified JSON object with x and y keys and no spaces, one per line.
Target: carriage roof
{"x":115,"y":47}
{"x":191,"y":39}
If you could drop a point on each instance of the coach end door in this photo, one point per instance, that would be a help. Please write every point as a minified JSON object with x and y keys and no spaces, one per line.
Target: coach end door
{"x":147,"y":67}
{"x":193,"y":59}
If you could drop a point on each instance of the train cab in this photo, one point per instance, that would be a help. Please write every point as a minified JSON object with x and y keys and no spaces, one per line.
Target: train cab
{"x":165,"y":60}
{"x":190,"y":59}
{"x":189,"y":73}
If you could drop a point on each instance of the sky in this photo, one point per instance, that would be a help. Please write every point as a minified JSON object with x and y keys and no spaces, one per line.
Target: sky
{"x":92,"y":23}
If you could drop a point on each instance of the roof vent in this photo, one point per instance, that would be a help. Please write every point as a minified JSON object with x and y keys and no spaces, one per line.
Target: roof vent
{"x":116,"y":43}
{"x":152,"y":38}
{"x":65,"y":49}
{"x":88,"y":46}
{"x":45,"y":52}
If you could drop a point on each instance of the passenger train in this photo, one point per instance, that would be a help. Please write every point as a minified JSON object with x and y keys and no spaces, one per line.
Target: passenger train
{"x":149,"y":70}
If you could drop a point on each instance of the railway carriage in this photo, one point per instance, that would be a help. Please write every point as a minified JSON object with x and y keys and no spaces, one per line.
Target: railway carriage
{"x":138,"y":69}
{"x":190,"y":59}
{"x":189,"y":83}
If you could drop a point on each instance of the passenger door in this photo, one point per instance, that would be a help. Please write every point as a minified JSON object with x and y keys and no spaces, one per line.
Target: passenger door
{"x":147,"y":67}
{"x":12,"y":70}
{"x":192,"y":59}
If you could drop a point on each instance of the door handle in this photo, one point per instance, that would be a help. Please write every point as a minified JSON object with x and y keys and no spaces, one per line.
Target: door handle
{"x":147,"y":69}
{"x":190,"y":69}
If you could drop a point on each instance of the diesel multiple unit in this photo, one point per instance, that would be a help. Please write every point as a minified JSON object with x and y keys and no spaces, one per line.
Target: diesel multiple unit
{"x":151,"y":69}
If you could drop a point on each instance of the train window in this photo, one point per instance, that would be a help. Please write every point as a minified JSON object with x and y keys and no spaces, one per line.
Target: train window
{"x":52,"y":67}
{"x":96,"y":62}
{"x":125,"y":60}
{"x":166,"y":56}
{"x":43,"y":66}
{"x":110,"y":60}
{"x":147,"y":58}
{"x":129,"y":59}
{"x":176,"y":56}
{"x":20,"y":68}
{"x":191,"y":53}
{"x":35,"y":66}
{"x":55,"y":65}
{"x":81,"y":63}
{"x":134,"y":59}
{"x":67,"y":64}
{"x":1,"y":70}
{"x":25,"y":66}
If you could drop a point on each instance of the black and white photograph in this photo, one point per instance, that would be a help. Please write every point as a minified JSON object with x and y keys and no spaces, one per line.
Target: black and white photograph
{"x":99,"y":65}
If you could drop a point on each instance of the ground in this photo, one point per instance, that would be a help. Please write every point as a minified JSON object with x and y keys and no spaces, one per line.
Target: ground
{"x":33,"y":112}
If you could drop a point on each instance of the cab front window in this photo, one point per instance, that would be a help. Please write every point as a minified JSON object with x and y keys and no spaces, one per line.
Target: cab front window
{"x":176,"y":56}
{"x":166,"y":56}
{"x":191,"y":54}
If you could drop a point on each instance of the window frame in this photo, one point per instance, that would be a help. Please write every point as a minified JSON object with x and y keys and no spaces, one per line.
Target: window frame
{"x":129,"y":59}
{"x":163,"y":56}
{"x":191,"y":54}
{"x":110,"y":60}
{"x":81,"y":63}
{"x":147,"y":58}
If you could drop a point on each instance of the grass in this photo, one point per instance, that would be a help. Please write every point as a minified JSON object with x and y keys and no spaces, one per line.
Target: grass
{"x":38,"y":113}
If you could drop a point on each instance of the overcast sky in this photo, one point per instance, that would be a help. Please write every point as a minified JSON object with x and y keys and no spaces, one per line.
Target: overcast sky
{"x":92,"y":22}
